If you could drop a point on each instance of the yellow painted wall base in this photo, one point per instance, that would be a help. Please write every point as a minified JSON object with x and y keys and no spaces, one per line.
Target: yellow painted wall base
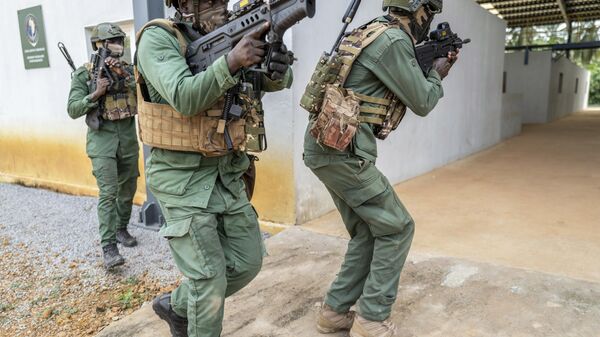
{"x":272,"y":228}
{"x":275,"y":195}
{"x":58,"y":165}
{"x":63,"y":166}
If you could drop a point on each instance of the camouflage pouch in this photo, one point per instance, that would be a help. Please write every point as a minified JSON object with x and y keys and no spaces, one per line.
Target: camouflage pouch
{"x":327,"y":71}
{"x":395,"y":113}
{"x":337,"y":122}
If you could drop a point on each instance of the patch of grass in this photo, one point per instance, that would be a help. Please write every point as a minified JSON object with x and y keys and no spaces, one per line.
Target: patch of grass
{"x":4,"y":307}
{"x":126,"y":298}
{"x":131,"y":281}
{"x":71,"y":311}
{"x":55,"y":292}
{"x":38,"y":300}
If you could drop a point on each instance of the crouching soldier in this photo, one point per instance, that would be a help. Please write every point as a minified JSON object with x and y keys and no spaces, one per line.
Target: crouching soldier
{"x":104,"y":92}
{"x":377,"y":76}
{"x":200,"y":125}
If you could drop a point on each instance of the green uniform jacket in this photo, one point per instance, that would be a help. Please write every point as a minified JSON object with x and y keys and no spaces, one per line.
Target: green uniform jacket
{"x":170,"y":81}
{"x":388,"y":63}
{"x":114,"y":136}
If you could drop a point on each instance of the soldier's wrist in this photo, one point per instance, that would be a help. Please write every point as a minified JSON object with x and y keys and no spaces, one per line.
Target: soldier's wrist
{"x":233,"y":66}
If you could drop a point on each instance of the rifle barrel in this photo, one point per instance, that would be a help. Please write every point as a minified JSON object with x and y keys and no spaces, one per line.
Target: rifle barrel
{"x":348,"y":17}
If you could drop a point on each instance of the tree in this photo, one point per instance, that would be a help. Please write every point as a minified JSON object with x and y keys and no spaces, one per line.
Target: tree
{"x":558,"y":33}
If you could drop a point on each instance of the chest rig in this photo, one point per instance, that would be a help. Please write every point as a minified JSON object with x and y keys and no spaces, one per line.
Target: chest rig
{"x":119,"y":101}
{"x":214,"y":132}
{"x":338,"y":111}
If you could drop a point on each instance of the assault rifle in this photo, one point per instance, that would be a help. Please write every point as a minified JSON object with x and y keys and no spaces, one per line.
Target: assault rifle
{"x":93,"y":119}
{"x":247,"y":16}
{"x":441,"y":42}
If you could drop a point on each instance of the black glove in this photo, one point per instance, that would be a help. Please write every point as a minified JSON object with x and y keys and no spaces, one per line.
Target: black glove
{"x":281,"y":60}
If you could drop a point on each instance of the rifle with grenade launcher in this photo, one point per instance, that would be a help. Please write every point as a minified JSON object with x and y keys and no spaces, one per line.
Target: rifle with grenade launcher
{"x":247,"y":16}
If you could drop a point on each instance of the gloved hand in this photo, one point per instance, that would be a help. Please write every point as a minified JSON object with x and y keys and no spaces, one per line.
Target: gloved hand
{"x":280,"y":62}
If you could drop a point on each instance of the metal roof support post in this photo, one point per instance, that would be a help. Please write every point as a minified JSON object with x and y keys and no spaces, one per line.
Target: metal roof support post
{"x":145,"y":10}
{"x":565,"y":14}
{"x":570,"y":38}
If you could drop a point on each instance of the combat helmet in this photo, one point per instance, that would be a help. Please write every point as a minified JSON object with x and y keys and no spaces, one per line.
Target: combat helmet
{"x":105,"y":31}
{"x":170,"y":3}
{"x":413,"y":5}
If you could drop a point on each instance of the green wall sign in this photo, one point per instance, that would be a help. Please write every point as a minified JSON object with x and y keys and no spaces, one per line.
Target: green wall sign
{"x":33,"y":38}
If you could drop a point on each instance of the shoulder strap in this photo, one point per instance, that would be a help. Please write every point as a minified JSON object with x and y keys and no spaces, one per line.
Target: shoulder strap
{"x":170,"y":27}
{"x":353,"y":45}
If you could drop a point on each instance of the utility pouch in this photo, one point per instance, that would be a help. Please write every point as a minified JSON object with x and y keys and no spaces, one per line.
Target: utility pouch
{"x":327,"y":71}
{"x":338,"y":121}
{"x":93,"y":120}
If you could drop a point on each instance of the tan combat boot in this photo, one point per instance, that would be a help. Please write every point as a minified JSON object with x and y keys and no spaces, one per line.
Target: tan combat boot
{"x":329,"y":321}
{"x":362,"y":327}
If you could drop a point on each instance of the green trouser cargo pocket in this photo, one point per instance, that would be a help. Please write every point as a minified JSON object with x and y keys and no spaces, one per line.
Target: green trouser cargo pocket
{"x":364,"y":189}
{"x":195,"y":247}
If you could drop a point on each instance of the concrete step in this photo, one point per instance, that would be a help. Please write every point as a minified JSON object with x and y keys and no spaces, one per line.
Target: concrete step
{"x":438,"y":297}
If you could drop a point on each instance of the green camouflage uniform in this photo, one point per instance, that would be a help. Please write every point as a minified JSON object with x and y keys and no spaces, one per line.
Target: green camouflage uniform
{"x":212,"y":228}
{"x":381,"y":229}
{"x":114,"y":151}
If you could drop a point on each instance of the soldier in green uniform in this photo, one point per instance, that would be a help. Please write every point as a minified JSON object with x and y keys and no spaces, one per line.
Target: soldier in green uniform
{"x":385,"y":77}
{"x":112,"y":143}
{"x":211,"y":226}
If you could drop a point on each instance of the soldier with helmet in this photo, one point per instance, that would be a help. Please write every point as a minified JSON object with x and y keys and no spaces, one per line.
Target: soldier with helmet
{"x":198,"y":158}
{"x":112,"y":144}
{"x":379,"y":78}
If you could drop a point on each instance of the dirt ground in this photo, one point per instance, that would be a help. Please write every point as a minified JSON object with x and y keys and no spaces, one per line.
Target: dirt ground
{"x":531,"y":202}
{"x":439,"y":297}
{"x":507,"y":245}
{"x":37,"y":301}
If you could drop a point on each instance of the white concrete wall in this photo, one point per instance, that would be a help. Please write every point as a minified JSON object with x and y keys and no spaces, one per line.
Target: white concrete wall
{"x":48,"y":88}
{"x":39,"y":144}
{"x":466,"y":120}
{"x":562,"y":104}
{"x":538,"y":83}
{"x":531,"y":80}
{"x":512,"y":115}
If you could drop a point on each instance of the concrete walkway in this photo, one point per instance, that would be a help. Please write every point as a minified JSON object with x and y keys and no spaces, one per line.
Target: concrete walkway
{"x":531,"y":202}
{"x":439,"y":297}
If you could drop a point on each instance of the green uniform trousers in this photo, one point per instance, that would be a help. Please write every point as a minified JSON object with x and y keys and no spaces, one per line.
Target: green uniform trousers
{"x":117,"y":183}
{"x":381,"y":232}
{"x":218,"y":249}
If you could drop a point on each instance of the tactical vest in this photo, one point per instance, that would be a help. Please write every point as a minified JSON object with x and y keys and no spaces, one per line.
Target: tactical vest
{"x":161,"y":126}
{"x":119,"y":101}
{"x":337,"y":110}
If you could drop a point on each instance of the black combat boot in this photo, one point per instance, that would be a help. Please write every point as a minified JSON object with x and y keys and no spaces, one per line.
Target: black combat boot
{"x":112,"y":258}
{"x":177,"y":324}
{"x":124,"y":238}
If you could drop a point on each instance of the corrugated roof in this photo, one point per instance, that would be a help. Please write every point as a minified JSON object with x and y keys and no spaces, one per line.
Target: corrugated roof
{"x":524,"y":13}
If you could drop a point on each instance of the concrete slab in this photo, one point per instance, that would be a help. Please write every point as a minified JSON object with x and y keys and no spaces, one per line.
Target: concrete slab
{"x":531,"y":202}
{"x":438,"y":297}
